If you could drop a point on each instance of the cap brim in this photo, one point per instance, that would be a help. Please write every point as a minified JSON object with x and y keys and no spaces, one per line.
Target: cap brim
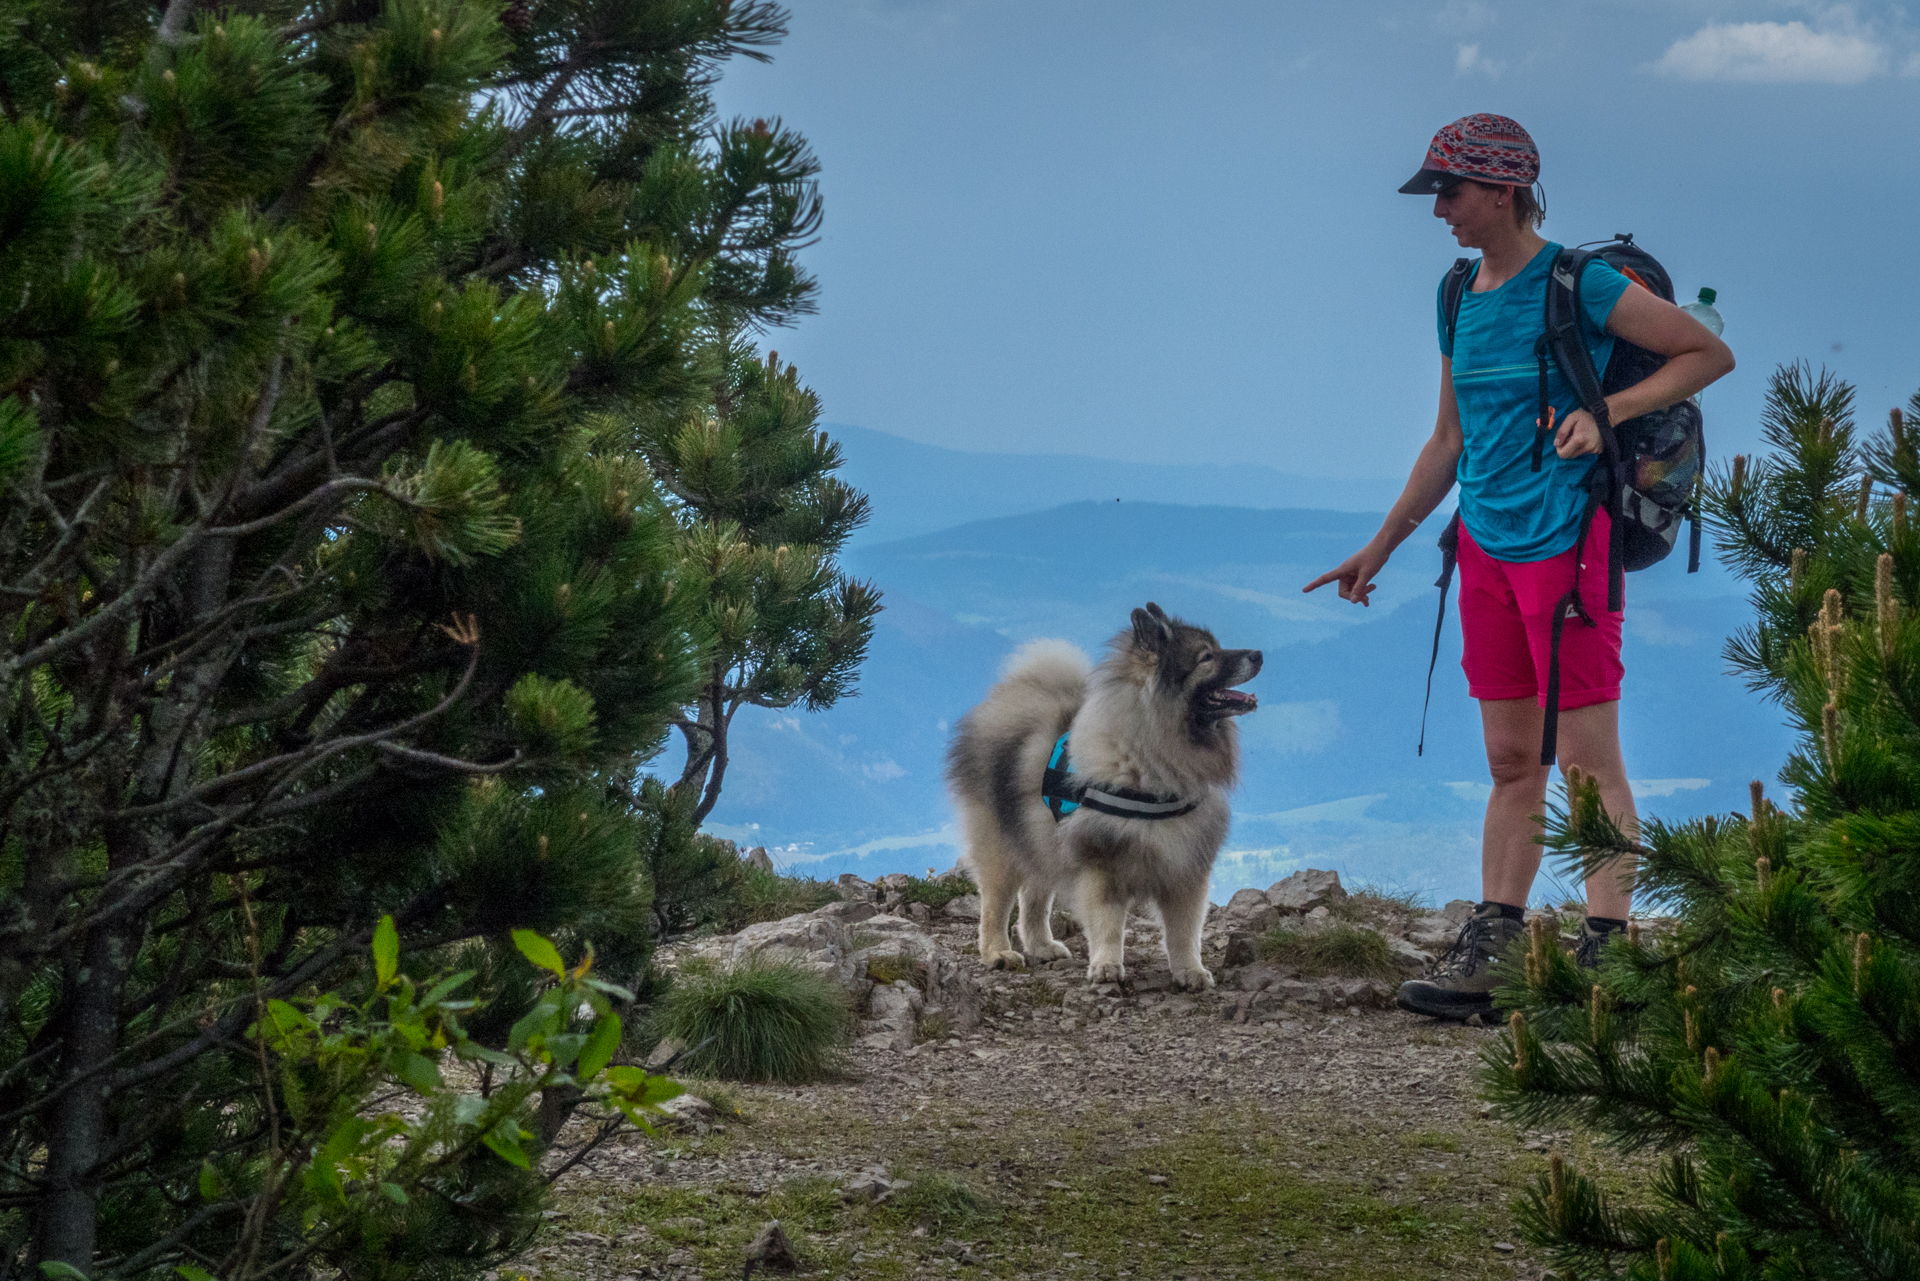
{"x":1429,"y":182}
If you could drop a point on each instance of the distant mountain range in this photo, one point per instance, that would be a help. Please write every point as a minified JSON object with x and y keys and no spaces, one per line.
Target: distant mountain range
{"x":1330,"y":775}
{"x":917,"y":489}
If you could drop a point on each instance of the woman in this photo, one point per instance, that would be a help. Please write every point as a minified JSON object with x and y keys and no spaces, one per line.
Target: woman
{"x":1518,"y":527}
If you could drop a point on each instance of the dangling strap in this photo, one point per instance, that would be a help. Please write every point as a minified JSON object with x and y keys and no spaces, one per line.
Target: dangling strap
{"x":1693,"y":526}
{"x":1568,"y":604}
{"x":1449,"y":557}
{"x":1543,"y":424}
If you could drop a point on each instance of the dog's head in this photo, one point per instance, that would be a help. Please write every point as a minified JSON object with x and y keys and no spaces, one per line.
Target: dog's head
{"x":1190,"y":665}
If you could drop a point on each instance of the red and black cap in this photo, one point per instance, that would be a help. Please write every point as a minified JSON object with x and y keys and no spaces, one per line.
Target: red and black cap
{"x":1484,"y":147}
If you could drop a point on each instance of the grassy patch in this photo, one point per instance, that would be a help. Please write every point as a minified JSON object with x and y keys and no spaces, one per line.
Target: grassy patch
{"x":936,"y":894}
{"x":1338,"y":948}
{"x":1437,"y":1140}
{"x":753,"y":894}
{"x":939,"y":1202}
{"x":1371,"y":901}
{"x":891,"y":967}
{"x":1239,"y":1199}
{"x":757,"y":1022}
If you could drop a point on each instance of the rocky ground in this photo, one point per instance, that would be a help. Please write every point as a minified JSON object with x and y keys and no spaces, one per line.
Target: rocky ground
{"x":997,"y":1124}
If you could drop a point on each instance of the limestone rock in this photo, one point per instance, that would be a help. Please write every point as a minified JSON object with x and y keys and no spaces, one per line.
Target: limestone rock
{"x":771,"y":1249}
{"x":1433,"y":933}
{"x":873,"y":1184}
{"x":686,"y":1114}
{"x":758,"y":857}
{"x":852,"y":887}
{"x":1249,"y":911}
{"x":964,"y":908}
{"x":669,"y":1049}
{"x":1413,"y":959}
{"x":1458,"y":910}
{"x":1305,"y":890}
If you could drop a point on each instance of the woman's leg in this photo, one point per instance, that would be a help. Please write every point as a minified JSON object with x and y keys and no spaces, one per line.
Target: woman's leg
{"x":1590,"y":739}
{"x":1510,"y":841}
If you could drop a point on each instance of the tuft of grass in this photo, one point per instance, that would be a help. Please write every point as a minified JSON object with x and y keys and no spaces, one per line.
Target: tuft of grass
{"x":723,"y":1100}
{"x":892,"y":967}
{"x":936,"y":894}
{"x":1371,"y":901}
{"x":935,"y":1027}
{"x":758,"y":1022}
{"x":939,"y":1202}
{"x":753,"y":894}
{"x":1340,"y":948}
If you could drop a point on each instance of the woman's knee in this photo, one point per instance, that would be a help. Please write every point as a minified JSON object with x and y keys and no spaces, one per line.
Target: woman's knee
{"x":1515,"y":766}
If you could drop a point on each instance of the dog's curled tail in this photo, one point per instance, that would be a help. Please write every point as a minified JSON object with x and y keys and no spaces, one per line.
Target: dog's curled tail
{"x":1055,"y":666}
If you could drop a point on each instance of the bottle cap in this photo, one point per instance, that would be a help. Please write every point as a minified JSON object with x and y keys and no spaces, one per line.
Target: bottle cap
{"x":1707,"y":295}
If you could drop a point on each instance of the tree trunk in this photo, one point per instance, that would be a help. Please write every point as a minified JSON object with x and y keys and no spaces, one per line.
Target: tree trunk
{"x":77,"y":1126}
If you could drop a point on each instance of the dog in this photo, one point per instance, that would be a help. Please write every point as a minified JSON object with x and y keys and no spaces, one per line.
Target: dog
{"x":1130,"y":807}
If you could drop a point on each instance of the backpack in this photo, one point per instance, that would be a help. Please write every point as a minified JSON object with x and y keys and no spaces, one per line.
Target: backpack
{"x":1648,"y":471}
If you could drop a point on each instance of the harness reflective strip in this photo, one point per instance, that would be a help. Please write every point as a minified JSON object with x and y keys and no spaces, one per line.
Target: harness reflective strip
{"x":1127,"y":807}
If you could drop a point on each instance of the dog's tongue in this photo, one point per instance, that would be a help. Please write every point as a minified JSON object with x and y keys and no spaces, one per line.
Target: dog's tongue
{"x":1234,"y":701}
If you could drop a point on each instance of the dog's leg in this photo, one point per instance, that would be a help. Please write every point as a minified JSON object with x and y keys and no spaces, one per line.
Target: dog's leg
{"x":997,"y":886}
{"x":1105,"y":918}
{"x":1183,"y":911}
{"x":1036,"y":924}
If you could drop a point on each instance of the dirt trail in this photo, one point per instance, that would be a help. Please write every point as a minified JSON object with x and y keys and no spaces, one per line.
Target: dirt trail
{"x":1074,"y":1134}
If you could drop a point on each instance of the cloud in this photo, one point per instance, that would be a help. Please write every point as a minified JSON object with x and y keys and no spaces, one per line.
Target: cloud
{"x":1465,"y":15}
{"x":1469,"y":60}
{"x":1911,"y":67}
{"x":1773,"y":53}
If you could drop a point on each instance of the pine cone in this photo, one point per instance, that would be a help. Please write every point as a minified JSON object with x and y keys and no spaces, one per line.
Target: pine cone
{"x":518,"y":16}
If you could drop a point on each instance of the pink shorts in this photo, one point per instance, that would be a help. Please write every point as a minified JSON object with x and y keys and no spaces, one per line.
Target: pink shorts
{"x":1506,"y":624}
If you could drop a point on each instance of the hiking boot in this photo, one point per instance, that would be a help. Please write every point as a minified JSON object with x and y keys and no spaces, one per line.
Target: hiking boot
{"x":1592,"y":942}
{"x":1462,"y":986}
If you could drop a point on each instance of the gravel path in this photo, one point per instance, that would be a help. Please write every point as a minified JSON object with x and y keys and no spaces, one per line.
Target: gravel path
{"x":1084,"y":1134}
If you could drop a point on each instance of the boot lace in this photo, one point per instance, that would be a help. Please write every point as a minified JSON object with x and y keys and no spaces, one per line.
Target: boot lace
{"x":1467,"y":953}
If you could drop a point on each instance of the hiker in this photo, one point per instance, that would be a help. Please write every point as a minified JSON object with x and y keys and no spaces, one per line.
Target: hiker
{"x":1519,"y":523}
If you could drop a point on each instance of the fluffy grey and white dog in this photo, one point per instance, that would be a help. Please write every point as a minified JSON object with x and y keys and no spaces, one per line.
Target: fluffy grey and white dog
{"x":1153,"y":752}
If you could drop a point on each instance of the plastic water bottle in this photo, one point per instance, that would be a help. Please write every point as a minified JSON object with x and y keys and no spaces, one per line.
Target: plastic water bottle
{"x":1701,"y":309}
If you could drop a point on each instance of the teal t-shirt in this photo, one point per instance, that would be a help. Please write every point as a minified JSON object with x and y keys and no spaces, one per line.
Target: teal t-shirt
{"x":1512,"y":511}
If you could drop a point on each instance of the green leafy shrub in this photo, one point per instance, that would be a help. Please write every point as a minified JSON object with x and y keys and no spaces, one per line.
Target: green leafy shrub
{"x":1339,"y":948}
{"x":757,"y":1022}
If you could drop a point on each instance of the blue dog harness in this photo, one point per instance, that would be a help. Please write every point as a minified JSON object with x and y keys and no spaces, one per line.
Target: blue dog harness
{"x":1064,"y":795}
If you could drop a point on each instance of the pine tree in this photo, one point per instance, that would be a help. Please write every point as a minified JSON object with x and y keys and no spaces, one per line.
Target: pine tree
{"x":1769,"y":1046}
{"x":761,"y":520}
{"x":335,"y":337}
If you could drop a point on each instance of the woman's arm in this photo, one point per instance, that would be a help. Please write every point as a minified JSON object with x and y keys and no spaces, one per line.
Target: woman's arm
{"x":1432,"y":477}
{"x":1694,"y":358}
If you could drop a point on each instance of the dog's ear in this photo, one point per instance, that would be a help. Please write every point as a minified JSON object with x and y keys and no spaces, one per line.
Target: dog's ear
{"x":1150,"y":629}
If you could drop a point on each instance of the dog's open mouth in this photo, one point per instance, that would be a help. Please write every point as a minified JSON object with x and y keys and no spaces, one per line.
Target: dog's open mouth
{"x":1228,"y":702}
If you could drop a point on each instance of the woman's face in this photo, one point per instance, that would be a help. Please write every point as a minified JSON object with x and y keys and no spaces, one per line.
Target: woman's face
{"x":1475,"y":214}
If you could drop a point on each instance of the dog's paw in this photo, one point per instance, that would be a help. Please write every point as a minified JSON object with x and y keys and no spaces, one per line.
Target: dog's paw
{"x":1054,"y":952}
{"x":1107,"y":973}
{"x":1007,"y":960}
{"x":1197,"y":979}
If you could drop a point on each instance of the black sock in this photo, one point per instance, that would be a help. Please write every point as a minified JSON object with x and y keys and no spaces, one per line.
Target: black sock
{"x":1509,"y":911}
{"x":1605,"y":924}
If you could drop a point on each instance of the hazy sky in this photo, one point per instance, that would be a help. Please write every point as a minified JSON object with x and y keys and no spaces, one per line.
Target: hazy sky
{"x":1169,"y":231}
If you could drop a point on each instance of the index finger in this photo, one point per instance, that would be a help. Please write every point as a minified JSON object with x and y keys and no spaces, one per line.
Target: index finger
{"x":1321,"y":581}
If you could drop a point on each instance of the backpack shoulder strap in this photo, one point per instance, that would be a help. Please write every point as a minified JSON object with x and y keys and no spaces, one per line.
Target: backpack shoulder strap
{"x":1452,"y":289}
{"x":1562,"y":336}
